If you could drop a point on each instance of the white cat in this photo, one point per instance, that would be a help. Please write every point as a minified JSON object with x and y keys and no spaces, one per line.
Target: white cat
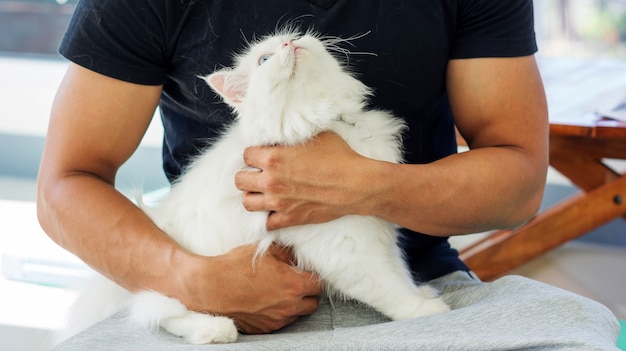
{"x":284,"y":90}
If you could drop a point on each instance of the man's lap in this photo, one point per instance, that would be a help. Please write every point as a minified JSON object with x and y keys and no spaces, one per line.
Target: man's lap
{"x":510,"y":313}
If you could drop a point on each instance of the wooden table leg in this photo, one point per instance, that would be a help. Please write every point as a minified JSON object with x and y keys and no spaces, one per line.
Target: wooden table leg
{"x":580,"y":160}
{"x":503,"y":251}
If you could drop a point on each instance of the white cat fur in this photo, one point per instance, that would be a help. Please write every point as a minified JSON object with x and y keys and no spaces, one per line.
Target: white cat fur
{"x":284,"y":90}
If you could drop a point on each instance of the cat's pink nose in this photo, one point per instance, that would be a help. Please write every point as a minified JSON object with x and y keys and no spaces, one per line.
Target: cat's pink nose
{"x":289,"y":44}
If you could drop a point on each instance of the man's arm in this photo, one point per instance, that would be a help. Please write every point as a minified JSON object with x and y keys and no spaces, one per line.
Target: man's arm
{"x":96,"y":124}
{"x":499,"y":107}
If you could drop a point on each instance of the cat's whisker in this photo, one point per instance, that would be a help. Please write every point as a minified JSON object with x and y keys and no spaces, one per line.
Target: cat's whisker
{"x":243,"y":36}
{"x":362,"y":53}
{"x":333,"y":44}
{"x":334,"y":39}
{"x":347,"y":53}
{"x":291,"y":26}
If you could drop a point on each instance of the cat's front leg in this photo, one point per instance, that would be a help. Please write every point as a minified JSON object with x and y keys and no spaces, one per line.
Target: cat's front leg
{"x":151,"y":309}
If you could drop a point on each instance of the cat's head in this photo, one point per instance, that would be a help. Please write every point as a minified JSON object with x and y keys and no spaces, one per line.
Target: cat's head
{"x":287,"y":87}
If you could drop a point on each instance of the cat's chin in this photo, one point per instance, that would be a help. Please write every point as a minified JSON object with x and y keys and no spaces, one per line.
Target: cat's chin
{"x":283,"y":126}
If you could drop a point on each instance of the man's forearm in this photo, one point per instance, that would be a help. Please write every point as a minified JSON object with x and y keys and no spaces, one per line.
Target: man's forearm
{"x":483,"y":189}
{"x":88,"y":217}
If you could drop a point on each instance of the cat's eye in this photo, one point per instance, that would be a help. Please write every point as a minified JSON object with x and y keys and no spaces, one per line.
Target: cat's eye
{"x":264,"y":58}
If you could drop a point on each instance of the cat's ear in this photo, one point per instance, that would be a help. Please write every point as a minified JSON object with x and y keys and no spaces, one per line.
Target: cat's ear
{"x":229,"y":84}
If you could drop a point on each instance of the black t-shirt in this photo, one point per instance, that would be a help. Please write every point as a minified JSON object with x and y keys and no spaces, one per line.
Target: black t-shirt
{"x":409,"y":43}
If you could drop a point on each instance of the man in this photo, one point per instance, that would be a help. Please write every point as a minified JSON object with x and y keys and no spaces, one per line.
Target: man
{"x":436,"y":63}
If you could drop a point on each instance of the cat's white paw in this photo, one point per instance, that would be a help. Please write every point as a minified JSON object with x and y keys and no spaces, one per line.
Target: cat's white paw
{"x":432,"y":306}
{"x":216,"y":330}
{"x":198,"y":328}
{"x":424,"y":305}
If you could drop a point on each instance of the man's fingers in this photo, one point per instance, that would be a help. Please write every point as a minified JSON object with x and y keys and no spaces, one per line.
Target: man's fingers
{"x":250,"y":156}
{"x":312,"y":284}
{"x":252,"y":202}
{"x":308,"y":306}
{"x":276,"y":220}
{"x":247,"y":180}
{"x":282,"y":253}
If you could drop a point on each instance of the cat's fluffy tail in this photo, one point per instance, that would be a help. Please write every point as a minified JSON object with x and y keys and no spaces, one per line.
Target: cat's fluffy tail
{"x":98,"y":299}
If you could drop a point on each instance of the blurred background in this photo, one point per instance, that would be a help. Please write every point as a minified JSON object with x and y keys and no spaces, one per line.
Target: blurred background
{"x":564,"y":27}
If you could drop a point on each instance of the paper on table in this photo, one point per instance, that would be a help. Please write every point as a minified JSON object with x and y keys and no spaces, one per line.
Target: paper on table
{"x":581,"y":90}
{"x":618,"y":112}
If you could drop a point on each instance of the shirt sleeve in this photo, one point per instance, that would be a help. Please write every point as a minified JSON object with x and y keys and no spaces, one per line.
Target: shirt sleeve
{"x":121,"y":39}
{"x":494,"y":28}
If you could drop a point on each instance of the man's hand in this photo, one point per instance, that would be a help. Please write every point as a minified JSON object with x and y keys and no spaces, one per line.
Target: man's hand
{"x":311,"y":183}
{"x":260,"y":298}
